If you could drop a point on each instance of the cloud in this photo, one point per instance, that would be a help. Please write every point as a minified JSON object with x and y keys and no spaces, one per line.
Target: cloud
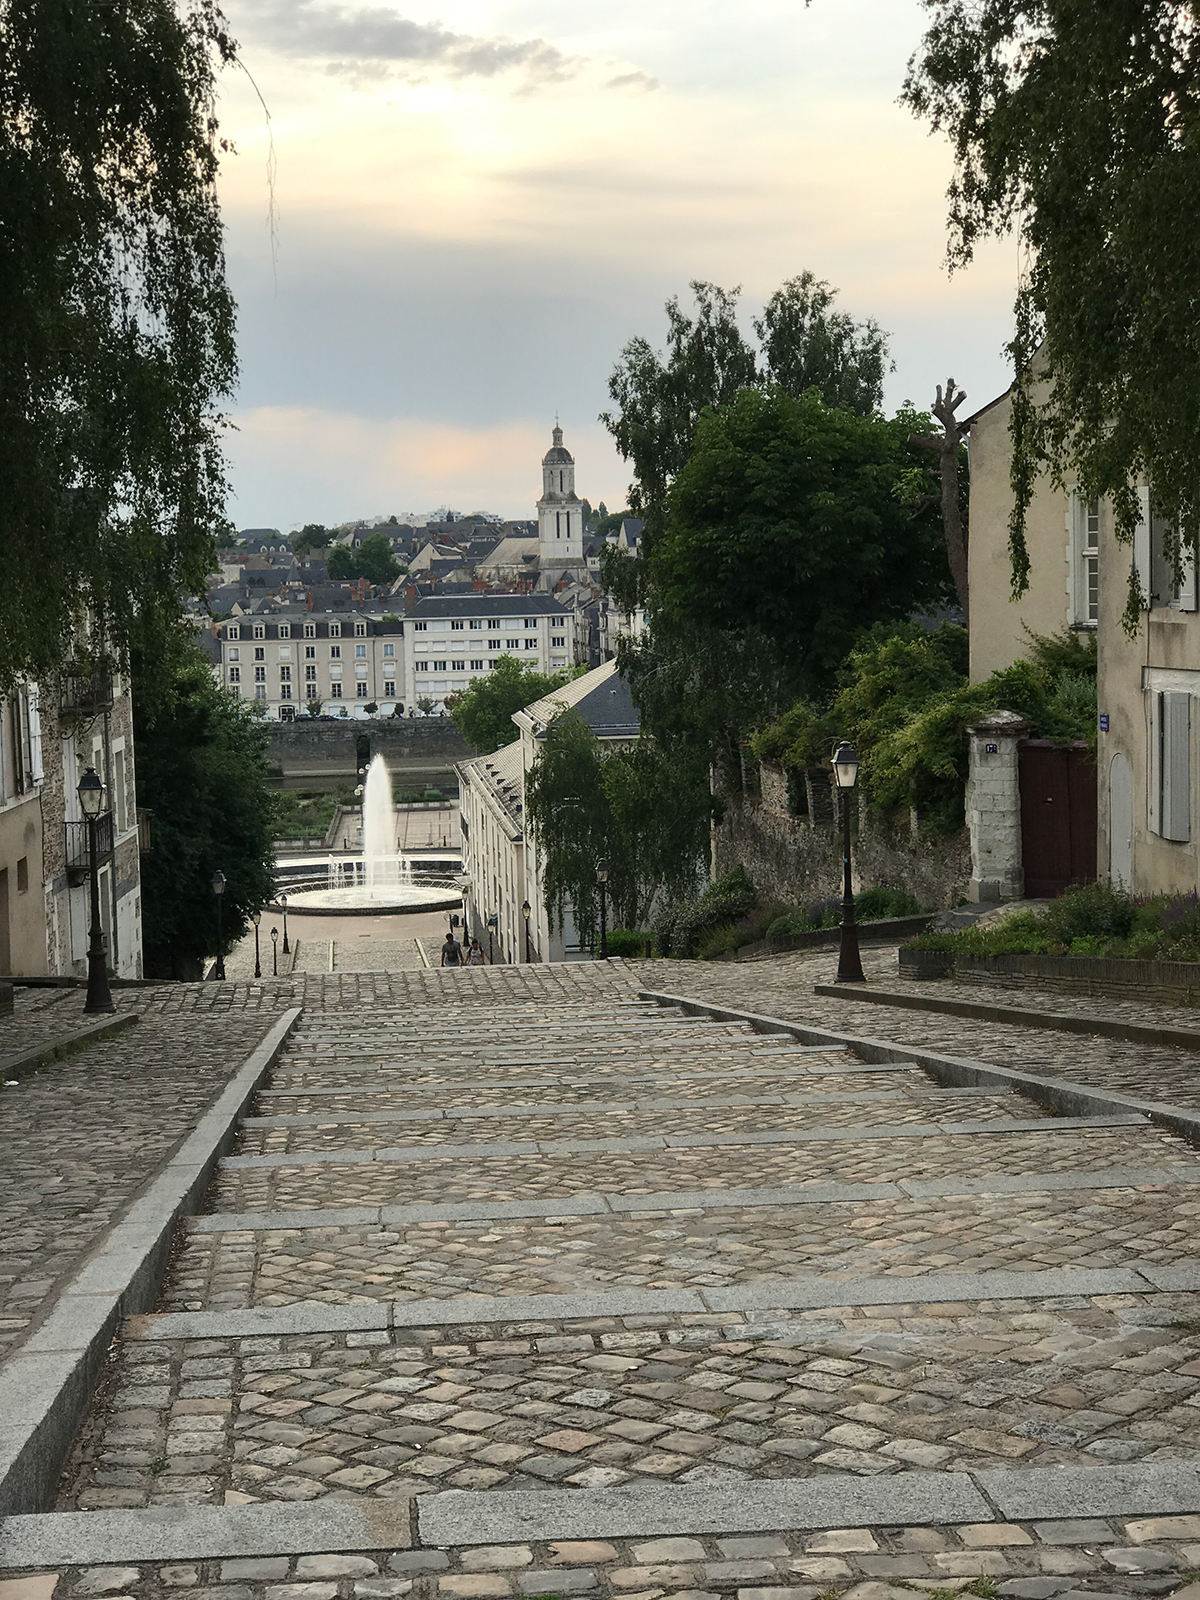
{"x":351,"y":38}
{"x":632,"y":80}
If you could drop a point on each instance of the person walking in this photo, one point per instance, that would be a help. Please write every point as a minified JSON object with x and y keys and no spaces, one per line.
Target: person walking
{"x":451,"y":951}
{"x":475,"y":954}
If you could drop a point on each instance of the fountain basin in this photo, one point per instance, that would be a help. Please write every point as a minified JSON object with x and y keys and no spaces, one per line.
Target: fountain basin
{"x":373,"y":900}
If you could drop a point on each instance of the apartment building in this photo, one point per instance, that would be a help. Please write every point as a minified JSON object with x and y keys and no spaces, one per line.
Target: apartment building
{"x":286,"y":660}
{"x":49,"y":734}
{"x":449,"y":641}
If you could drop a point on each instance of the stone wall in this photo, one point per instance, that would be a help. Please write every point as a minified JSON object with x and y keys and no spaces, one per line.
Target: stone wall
{"x":420,"y":752}
{"x":795,"y":863}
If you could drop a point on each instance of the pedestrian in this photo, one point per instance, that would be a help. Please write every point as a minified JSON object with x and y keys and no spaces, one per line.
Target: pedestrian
{"x":451,"y":951}
{"x":474,"y":954}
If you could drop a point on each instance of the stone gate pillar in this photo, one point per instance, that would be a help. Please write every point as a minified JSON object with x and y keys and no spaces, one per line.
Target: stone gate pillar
{"x":994,"y":808}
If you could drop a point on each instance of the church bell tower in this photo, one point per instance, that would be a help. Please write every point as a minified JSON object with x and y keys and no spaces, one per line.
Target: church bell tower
{"x":560,"y":511}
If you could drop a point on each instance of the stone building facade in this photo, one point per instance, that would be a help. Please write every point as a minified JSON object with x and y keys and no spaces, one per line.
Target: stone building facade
{"x":49,"y":734}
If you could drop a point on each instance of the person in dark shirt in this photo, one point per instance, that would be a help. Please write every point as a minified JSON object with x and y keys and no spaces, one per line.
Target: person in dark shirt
{"x":451,"y":951}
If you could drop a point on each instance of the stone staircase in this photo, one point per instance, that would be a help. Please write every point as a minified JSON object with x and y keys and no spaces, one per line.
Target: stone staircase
{"x":545,"y":1297}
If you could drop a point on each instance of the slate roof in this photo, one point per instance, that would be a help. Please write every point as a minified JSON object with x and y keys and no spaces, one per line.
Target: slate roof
{"x":487,"y":605}
{"x":602,"y":699}
{"x":501,"y":774}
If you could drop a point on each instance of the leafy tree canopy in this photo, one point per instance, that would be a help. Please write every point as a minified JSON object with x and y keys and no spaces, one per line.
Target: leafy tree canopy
{"x":1078,"y":123}
{"x":805,"y":344}
{"x":312,"y":536}
{"x":373,"y":560}
{"x":646,"y":815}
{"x":201,"y":769}
{"x":791,"y":521}
{"x":483,"y":715}
{"x":116,"y":324}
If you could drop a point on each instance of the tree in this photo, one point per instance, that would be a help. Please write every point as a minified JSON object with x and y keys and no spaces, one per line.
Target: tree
{"x":116,"y":324}
{"x":789,"y":523}
{"x":375,"y":562}
{"x":1077,"y":123}
{"x":805,"y":344}
{"x":949,"y":446}
{"x":483,"y":715}
{"x":201,"y":766}
{"x":808,"y":345}
{"x":314,"y":707}
{"x":312,"y":536}
{"x":629,"y":805}
{"x":339,"y":563}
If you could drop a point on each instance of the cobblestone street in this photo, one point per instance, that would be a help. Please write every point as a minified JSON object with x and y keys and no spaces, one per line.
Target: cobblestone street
{"x":502,"y":1258}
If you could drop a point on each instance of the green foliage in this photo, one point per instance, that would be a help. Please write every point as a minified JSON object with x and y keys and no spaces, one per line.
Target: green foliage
{"x":905,"y":704}
{"x":339,"y":563}
{"x":373,"y":560}
{"x":201,"y":769}
{"x":484,"y":713}
{"x":870,"y":905}
{"x":681,"y":925}
{"x":647,"y":816}
{"x":630,"y":942}
{"x":1096,"y":919}
{"x":609,"y":522}
{"x":786,"y":521}
{"x":312,"y":536}
{"x":807,"y":345}
{"x":1078,"y":122}
{"x":116,"y":325}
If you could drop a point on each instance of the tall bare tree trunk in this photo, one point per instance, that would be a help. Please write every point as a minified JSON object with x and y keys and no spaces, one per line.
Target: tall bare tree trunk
{"x":946,"y":444}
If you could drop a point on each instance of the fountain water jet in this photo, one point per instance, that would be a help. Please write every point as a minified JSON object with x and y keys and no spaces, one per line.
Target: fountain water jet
{"x":381,"y":880}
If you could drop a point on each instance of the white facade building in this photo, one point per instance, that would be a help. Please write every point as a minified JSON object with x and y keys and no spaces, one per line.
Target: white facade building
{"x":499,"y":858}
{"x":449,"y":641}
{"x":284,"y":660}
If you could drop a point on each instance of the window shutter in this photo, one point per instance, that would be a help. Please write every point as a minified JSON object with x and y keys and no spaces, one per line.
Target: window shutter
{"x":35,"y":734}
{"x":1141,"y":545}
{"x":1176,"y":809}
{"x":1187,"y":589}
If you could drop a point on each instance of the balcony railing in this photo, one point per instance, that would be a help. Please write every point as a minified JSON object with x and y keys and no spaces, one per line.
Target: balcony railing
{"x":78,"y":837}
{"x":85,"y":693}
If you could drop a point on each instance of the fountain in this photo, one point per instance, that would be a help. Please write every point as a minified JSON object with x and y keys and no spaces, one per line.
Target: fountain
{"x":381,"y":879}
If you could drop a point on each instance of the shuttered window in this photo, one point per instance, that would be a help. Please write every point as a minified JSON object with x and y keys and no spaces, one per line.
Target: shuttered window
{"x":1174,"y":766}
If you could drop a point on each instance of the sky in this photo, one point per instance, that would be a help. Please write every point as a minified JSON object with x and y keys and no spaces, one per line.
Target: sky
{"x":444,"y":222}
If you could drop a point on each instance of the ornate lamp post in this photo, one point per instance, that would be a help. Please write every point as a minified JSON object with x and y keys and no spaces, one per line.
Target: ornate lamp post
{"x":602,"y":880}
{"x":218,"y":888}
{"x":283,"y":907}
{"x":845,"y":776}
{"x":256,"y":918}
{"x":275,"y":952}
{"x":91,"y":799}
{"x":492,"y":922}
{"x":526,"y":908}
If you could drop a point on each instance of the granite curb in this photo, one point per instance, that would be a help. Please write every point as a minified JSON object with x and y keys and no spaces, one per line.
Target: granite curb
{"x":770,"y":1294}
{"x":24,"y":1062}
{"x":1064,"y":1098}
{"x":1021,"y":1016}
{"x":46,"y":1386}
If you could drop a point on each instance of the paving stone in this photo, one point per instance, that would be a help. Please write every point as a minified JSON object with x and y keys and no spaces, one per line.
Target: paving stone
{"x":302,"y":1591}
{"x":251,"y":1567}
{"x":578,"y":1580}
{"x":654,"y":1551}
{"x":36,"y":1586}
{"x":842,"y":1540}
{"x":1087,"y":1530}
{"x":336,"y":1566}
{"x":496,"y":1558}
{"x":382,"y":1588}
{"x":471,"y":1585}
{"x":983,"y":1535}
{"x":179,"y":1577}
{"x":1146,"y":1529}
{"x":105,"y":1580}
{"x":581,"y":1550}
{"x":1138,"y":1560}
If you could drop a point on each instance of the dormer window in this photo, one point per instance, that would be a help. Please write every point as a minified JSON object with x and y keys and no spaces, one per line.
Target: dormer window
{"x":285,"y":630}
{"x":335,"y":630}
{"x":260,"y":631}
{"x":360,"y":629}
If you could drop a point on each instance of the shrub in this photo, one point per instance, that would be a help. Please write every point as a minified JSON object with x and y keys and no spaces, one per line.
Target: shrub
{"x":1097,"y":910}
{"x":873,"y":905}
{"x":630,"y":942}
{"x":682,"y":925}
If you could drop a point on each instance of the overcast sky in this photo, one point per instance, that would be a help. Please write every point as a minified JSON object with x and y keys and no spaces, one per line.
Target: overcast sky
{"x":476,"y":204}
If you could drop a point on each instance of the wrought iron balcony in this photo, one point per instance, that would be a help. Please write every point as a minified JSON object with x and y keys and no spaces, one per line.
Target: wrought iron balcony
{"x":78,"y":839}
{"x":85,"y":693}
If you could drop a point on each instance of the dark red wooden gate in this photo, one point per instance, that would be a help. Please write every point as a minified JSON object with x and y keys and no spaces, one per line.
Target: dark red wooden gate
{"x":1058,"y":816}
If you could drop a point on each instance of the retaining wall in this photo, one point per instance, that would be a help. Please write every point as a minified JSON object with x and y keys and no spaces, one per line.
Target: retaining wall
{"x":795,"y":863}
{"x":420,"y":752}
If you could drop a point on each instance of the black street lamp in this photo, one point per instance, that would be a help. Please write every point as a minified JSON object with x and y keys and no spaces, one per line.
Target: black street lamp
{"x":602,"y":880}
{"x":526,"y":908}
{"x":218,"y":888}
{"x":274,"y":952}
{"x":256,"y":918}
{"x":99,"y":997}
{"x":492,"y":922}
{"x":845,"y":776}
{"x":287,"y":949}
